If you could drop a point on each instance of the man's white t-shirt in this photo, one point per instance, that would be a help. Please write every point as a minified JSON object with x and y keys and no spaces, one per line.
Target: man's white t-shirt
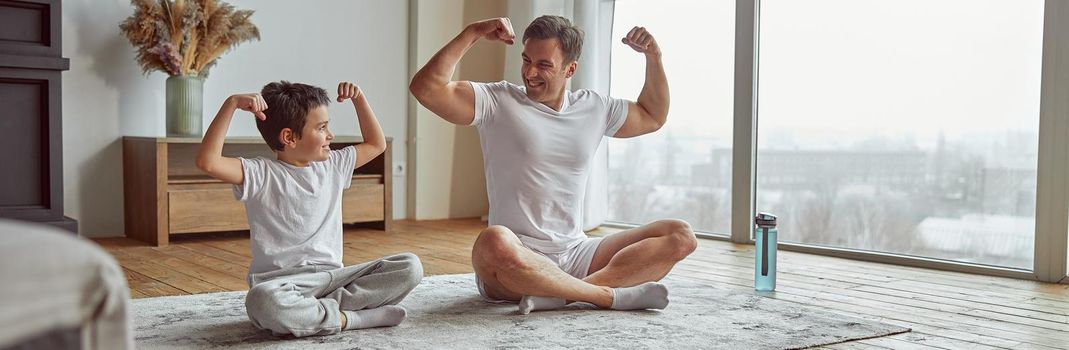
{"x":537,"y":160}
{"x":294,"y":212}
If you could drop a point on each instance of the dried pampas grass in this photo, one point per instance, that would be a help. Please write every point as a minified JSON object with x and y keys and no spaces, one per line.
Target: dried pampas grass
{"x":185,"y":37}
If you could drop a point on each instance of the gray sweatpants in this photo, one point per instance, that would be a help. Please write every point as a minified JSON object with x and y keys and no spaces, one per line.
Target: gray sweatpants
{"x":308,"y":300}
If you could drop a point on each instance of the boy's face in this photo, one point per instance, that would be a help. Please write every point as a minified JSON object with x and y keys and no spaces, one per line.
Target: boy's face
{"x":314,"y":143}
{"x":544,"y":71}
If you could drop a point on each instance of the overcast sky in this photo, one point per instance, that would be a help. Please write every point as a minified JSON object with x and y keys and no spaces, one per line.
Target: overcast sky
{"x":837,"y":70}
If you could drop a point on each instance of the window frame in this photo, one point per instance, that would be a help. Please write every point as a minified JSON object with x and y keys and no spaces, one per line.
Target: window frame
{"x":1052,"y":177}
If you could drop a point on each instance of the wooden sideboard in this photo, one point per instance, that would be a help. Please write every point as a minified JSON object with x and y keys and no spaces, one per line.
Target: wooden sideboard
{"x":165,"y":193}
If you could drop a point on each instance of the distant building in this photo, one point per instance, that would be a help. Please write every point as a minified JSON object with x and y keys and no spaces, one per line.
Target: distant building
{"x":778,"y":169}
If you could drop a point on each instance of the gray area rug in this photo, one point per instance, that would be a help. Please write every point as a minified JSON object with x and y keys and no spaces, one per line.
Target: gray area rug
{"x":446,"y":312}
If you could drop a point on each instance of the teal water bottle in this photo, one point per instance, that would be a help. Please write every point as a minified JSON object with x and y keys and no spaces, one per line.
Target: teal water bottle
{"x":765,"y":253}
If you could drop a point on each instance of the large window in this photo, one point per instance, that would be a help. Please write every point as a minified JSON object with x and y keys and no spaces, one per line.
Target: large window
{"x":905,"y":126}
{"x":683,"y":170}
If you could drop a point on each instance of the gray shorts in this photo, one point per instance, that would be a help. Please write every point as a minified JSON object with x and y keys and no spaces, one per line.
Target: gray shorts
{"x":574,"y":261}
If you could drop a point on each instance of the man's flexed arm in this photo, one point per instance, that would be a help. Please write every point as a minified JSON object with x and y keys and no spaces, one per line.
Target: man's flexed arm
{"x":210,"y":156}
{"x":650,"y":112}
{"x":432,"y":86}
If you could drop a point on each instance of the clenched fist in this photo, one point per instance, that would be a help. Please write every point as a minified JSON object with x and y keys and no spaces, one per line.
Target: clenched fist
{"x":640,"y":40}
{"x":499,"y":29}
{"x":251,"y":102}
{"x":347,"y":90}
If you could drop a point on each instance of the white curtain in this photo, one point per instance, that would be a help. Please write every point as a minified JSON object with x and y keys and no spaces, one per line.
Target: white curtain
{"x":595,"y":17}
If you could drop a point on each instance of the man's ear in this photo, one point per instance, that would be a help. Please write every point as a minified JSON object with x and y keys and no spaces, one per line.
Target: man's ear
{"x":287,"y":137}
{"x":571,"y":69}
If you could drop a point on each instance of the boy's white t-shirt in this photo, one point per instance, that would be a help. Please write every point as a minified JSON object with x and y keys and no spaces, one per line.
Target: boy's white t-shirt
{"x":294,"y":212}
{"x":537,"y":160}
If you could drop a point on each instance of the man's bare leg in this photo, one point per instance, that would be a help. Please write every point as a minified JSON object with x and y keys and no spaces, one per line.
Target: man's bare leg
{"x":509,"y":271}
{"x":642,"y":254}
{"x":631,"y":258}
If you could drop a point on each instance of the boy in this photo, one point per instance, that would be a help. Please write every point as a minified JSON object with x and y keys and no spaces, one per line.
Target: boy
{"x":298,"y":283}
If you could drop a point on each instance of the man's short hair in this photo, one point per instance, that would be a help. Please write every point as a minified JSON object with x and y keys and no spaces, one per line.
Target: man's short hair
{"x":288,"y":105}
{"x":570,"y":36}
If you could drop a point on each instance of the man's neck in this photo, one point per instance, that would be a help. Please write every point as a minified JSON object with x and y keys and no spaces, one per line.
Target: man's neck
{"x":556,"y":104}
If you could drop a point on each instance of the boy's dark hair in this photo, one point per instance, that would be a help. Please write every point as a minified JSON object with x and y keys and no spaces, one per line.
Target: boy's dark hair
{"x":570,"y":37}
{"x":288,"y":105}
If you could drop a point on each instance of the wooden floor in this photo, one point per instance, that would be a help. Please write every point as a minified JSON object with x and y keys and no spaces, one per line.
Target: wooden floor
{"x":944,"y":309}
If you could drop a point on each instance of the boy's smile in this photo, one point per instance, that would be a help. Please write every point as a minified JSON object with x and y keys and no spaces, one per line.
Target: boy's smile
{"x":314,"y":143}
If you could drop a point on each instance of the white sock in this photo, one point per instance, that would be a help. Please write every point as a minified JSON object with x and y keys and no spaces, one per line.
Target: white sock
{"x":532,"y":303}
{"x":383,"y":316}
{"x":649,"y":295}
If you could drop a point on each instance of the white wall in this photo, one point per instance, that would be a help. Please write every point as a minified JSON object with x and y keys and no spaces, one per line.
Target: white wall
{"x":485,"y":62}
{"x":434,"y":22}
{"x":105,"y":96}
{"x":447,"y":177}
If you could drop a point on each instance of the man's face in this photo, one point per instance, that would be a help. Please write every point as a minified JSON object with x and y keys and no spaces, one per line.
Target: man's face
{"x":544,"y":71}
{"x":314,"y":144}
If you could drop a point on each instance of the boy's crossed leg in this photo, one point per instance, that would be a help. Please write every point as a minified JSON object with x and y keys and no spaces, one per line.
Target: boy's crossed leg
{"x":326,"y":302}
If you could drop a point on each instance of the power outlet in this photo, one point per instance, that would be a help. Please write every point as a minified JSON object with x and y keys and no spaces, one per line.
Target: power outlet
{"x":399,"y":169}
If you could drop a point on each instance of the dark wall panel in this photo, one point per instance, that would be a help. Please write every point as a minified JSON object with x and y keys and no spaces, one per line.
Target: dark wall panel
{"x":24,"y":22}
{"x":31,"y":62}
{"x":23,"y":124}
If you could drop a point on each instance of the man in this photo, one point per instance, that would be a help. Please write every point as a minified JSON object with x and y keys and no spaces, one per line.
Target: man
{"x":538,"y":141}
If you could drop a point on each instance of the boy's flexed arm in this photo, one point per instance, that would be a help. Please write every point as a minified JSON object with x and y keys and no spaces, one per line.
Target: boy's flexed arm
{"x":210,"y":157}
{"x":432,"y":86}
{"x":374,"y":141}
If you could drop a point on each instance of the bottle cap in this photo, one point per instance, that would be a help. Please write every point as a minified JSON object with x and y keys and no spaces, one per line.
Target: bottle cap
{"x":765,"y":220}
